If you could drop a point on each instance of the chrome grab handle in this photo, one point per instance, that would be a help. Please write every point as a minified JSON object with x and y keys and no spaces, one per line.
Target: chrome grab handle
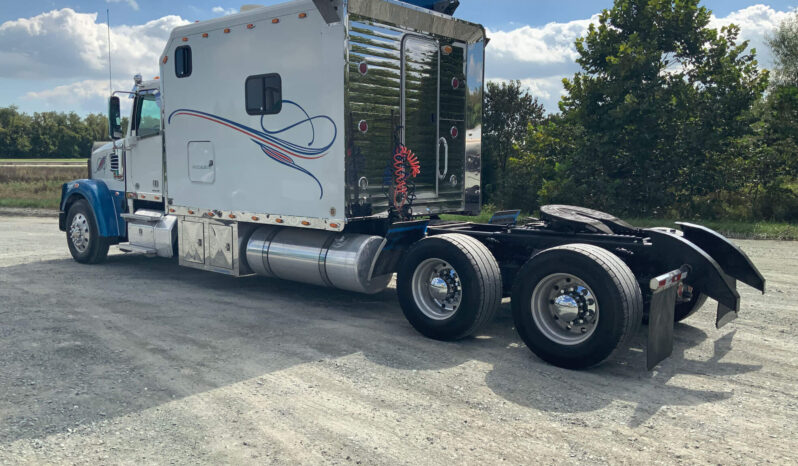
{"x":445,"y":158}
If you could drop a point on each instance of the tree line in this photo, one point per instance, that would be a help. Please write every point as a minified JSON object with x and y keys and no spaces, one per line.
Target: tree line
{"x":49,"y":134}
{"x":667,"y":118}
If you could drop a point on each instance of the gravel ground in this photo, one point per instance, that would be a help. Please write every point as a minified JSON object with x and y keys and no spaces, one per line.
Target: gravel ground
{"x":142,"y":361}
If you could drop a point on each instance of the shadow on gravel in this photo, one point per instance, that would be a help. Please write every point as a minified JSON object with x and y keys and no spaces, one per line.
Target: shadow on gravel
{"x":85,"y":343}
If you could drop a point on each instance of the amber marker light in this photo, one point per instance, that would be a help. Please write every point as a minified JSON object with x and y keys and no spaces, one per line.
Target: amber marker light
{"x":232,"y":216}
{"x":191,"y":212}
{"x":279,"y":220}
{"x":205,"y":34}
{"x":250,"y":26}
{"x":306,"y":223}
{"x":227,"y":30}
{"x":185,"y":39}
{"x":172,"y":210}
{"x":165,"y":59}
{"x":255,"y":218}
{"x":447,"y":49}
{"x":334,"y":225}
{"x":303,"y":15}
{"x":275,"y":20}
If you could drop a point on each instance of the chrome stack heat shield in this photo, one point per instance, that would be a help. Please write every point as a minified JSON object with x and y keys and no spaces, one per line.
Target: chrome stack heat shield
{"x":336,"y":260}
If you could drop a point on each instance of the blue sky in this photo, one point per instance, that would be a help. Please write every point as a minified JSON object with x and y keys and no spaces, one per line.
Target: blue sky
{"x":52,"y":52}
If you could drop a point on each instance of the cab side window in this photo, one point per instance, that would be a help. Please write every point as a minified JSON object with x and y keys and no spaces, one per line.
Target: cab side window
{"x":148,"y":116}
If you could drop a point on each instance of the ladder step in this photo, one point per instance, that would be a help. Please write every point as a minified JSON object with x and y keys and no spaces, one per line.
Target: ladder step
{"x":127,"y":247}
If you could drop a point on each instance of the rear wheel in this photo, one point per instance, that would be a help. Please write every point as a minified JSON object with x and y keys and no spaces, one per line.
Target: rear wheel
{"x":83,"y":237}
{"x":449,"y":286}
{"x":575,"y":305}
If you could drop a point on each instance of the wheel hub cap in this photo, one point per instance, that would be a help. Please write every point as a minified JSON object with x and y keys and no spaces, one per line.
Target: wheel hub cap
{"x":79,"y":232}
{"x":565,"y":309}
{"x":437,"y":289}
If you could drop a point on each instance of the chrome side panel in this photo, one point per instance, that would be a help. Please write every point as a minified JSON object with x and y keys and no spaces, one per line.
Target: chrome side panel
{"x":475,"y":82}
{"x":210,"y":245}
{"x":408,"y":94}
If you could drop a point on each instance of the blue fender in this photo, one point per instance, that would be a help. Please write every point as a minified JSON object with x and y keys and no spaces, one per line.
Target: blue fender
{"x":106,"y":205}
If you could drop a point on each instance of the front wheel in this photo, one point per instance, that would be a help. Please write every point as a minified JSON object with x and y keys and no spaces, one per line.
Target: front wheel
{"x":83,"y":237}
{"x":449,"y":286}
{"x":575,"y":305}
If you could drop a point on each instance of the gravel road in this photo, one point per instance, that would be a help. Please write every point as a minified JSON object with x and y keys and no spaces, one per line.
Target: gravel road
{"x":140,"y":361}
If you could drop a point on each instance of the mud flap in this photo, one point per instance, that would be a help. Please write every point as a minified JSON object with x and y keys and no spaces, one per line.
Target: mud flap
{"x":660,"y":317}
{"x":726,"y":314}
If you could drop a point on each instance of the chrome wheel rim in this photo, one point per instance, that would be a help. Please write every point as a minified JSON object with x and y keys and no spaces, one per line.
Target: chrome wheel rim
{"x":565,"y":309}
{"x":79,"y":232}
{"x":437,"y":289}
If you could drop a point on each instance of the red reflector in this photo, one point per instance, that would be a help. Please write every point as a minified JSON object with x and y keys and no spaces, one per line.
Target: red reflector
{"x":455,"y":83}
{"x":363,"y":68}
{"x":454,"y":132}
{"x":363,"y":126}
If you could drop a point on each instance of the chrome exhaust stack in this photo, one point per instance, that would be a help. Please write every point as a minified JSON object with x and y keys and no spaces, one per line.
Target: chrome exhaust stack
{"x":335,"y":260}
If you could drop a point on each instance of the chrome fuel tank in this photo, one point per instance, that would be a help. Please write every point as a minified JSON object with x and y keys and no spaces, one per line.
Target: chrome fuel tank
{"x":337,"y":260}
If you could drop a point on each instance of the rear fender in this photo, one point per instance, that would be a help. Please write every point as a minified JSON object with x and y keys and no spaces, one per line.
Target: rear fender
{"x":106,"y":205}
{"x":672,"y":251}
{"x":732,"y":260}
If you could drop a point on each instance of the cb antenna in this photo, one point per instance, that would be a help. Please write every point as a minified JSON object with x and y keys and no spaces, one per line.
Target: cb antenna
{"x":108,"y":23}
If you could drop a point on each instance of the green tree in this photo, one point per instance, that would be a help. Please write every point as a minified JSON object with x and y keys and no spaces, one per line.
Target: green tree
{"x":784,"y":44}
{"x":509,"y":110}
{"x":660,"y":99}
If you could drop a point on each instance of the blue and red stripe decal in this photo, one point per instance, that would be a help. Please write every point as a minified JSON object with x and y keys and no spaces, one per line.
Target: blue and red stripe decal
{"x":278,"y":149}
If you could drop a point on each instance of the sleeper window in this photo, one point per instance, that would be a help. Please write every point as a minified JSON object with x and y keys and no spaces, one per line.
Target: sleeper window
{"x":183,"y":61}
{"x":264,"y":94}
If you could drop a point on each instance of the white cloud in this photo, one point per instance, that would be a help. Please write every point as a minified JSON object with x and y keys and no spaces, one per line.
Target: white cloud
{"x":223,"y":11}
{"x":133,"y":4}
{"x":756,"y":23}
{"x":88,"y":95}
{"x":66,"y":44}
{"x":540,"y":57}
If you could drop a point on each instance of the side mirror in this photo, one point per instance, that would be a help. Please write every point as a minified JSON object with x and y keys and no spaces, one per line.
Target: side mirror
{"x":114,"y":119}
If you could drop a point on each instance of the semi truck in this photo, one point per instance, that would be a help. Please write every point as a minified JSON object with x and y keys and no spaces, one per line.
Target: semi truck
{"x":321,"y":141}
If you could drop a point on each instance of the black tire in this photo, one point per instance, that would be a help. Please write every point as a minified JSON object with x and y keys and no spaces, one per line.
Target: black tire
{"x":97,"y":248}
{"x":617,"y":293}
{"x":479,"y":275}
{"x":688,"y":308}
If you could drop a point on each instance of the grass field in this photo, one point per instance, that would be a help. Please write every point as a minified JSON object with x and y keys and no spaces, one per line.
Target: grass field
{"x":37,"y":187}
{"x":43,"y":161}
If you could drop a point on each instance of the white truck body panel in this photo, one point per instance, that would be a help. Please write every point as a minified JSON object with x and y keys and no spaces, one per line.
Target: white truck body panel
{"x":219,"y":157}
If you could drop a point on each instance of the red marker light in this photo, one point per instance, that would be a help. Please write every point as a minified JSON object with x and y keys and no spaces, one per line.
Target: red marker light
{"x":454,"y":132}
{"x":455,"y":83}
{"x":363,"y":68}
{"x":363,"y":126}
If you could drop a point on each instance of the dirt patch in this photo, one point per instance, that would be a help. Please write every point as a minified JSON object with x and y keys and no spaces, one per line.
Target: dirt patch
{"x":141,"y":361}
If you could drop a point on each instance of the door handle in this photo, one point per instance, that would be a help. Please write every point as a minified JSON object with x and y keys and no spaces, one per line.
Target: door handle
{"x":445,"y":158}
